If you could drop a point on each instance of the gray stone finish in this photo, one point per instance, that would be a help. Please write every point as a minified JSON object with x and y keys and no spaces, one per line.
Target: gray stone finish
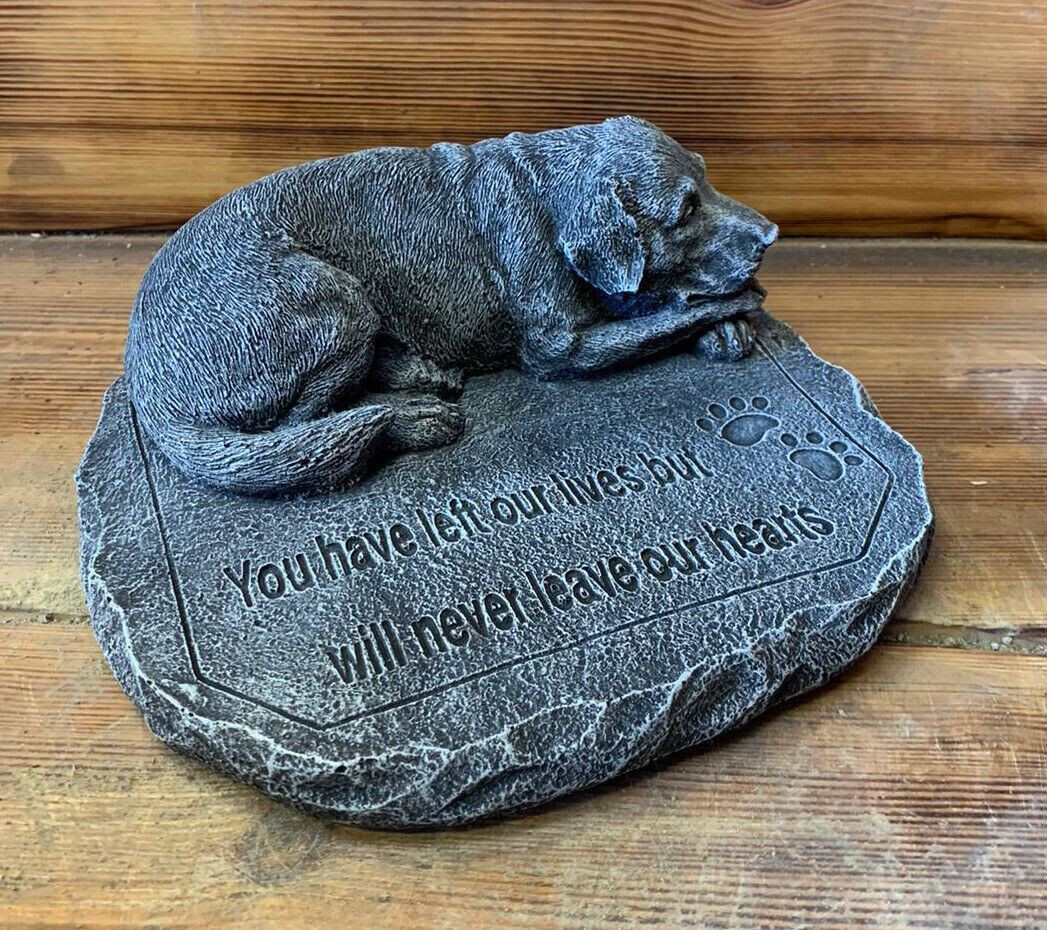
{"x":300,"y":329}
{"x":371,"y":697}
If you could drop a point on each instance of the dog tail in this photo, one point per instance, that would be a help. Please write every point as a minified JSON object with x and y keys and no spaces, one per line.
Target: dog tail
{"x":311,"y":455}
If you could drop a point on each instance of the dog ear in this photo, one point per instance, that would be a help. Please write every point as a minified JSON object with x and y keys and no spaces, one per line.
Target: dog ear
{"x":602,"y":243}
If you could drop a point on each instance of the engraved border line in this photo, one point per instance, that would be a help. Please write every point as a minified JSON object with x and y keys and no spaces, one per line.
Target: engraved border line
{"x":194,"y":658}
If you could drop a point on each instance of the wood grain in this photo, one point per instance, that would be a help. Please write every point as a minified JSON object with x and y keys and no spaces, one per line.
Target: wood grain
{"x":949,"y":340}
{"x":911,"y":794}
{"x":870,"y":117}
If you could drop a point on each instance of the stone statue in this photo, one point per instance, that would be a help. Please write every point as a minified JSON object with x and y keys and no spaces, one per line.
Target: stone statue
{"x":291,"y":333}
{"x":604,"y":571}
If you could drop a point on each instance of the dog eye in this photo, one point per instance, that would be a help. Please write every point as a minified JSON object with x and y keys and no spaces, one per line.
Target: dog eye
{"x":688,"y":207}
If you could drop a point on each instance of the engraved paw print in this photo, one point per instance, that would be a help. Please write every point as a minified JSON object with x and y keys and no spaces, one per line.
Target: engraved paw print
{"x":828,"y":463}
{"x":748,"y":423}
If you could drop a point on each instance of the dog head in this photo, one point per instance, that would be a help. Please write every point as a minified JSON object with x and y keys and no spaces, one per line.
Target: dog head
{"x":650,"y":226}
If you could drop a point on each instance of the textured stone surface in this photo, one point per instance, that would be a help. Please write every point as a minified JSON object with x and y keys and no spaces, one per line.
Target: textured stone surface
{"x":295,"y":332}
{"x":600,"y":572}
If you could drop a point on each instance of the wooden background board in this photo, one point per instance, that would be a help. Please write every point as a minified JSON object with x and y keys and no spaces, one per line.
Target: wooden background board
{"x":911,"y":793}
{"x":908,"y":795}
{"x":865,"y":117}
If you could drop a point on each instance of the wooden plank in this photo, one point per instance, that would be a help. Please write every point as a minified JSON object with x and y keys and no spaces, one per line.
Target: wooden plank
{"x":950,"y":343}
{"x":876,"y":117}
{"x":948,"y":339}
{"x":911,"y":794}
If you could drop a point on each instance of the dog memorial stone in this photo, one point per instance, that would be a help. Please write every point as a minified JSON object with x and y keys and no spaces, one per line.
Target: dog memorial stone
{"x":599,"y":572}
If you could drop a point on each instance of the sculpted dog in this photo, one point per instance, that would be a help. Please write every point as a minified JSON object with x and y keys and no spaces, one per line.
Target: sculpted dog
{"x":304,"y":322}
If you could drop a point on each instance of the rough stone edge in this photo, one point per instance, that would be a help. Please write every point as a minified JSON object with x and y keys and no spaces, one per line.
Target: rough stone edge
{"x":105,"y":614}
{"x":501,"y":787}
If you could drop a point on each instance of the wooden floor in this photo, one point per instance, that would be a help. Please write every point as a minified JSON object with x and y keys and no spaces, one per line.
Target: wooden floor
{"x":911,"y":793}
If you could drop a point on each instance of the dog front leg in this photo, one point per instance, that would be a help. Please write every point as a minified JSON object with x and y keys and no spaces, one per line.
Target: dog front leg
{"x":565,"y":353}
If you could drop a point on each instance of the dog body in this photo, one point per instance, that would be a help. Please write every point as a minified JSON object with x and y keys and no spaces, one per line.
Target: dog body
{"x":303,"y":322}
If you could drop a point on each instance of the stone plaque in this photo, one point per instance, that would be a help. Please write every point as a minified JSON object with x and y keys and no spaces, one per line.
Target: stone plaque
{"x":600,"y":572}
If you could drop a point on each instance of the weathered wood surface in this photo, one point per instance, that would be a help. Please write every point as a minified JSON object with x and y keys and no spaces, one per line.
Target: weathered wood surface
{"x":873,"y":117}
{"x":913,"y":793}
{"x":910,"y":794}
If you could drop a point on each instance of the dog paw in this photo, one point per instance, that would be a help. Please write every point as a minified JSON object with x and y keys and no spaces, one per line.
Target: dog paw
{"x":424,"y":423}
{"x":398,"y":370}
{"x":825,"y":461}
{"x":450,"y":383}
{"x":747,"y":424}
{"x":727,"y":341}
{"x":423,"y":375}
